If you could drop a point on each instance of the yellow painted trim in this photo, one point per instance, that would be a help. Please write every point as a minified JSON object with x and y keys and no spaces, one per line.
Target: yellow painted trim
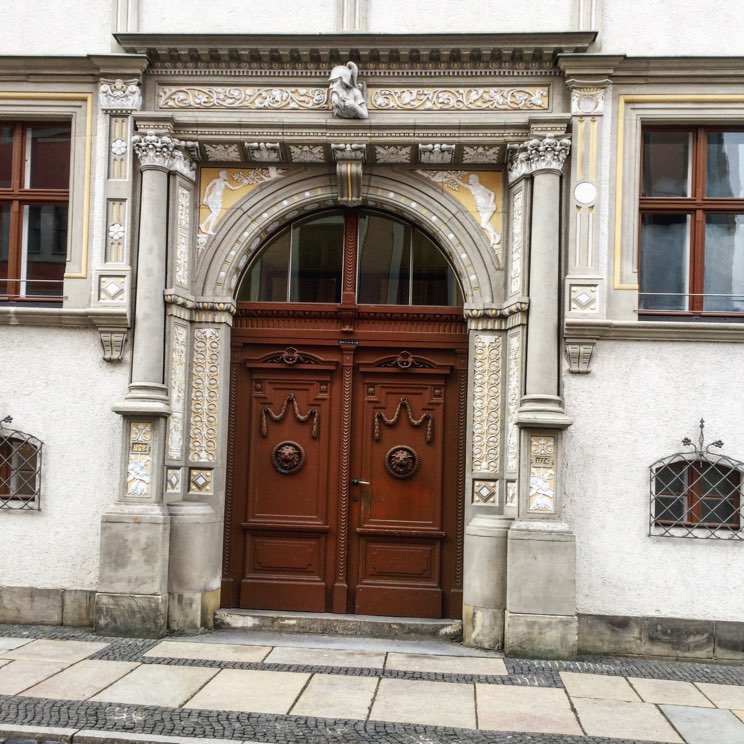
{"x":580,"y":149}
{"x":88,"y":99}
{"x":619,"y":152}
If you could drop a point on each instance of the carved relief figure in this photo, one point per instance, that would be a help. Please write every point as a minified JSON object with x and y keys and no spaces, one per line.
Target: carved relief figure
{"x":213,"y":200}
{"x":485,"y":203}
{"x":347,"y":99}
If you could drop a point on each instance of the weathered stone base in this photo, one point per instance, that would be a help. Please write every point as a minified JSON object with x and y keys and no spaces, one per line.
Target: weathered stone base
{"x":132,"y":615}
{"x":482,"y":627}
{"x":27,"y":604}
{"x":541,"y":636}
{"x":661,"y":636}
{"x":192,"y":612}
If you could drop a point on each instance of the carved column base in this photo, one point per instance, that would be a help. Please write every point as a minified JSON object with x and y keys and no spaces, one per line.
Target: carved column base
{"x":146,"y":399}
{"x":541,"y":617}
{"x":544,"y":411}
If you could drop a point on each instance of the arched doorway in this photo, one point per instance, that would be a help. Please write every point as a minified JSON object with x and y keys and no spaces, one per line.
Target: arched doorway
{"x":347,"y":432}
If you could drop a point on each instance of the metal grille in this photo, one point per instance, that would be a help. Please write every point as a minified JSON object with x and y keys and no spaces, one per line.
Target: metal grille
{"x":20,"y":469}
{"x":697,"y":493}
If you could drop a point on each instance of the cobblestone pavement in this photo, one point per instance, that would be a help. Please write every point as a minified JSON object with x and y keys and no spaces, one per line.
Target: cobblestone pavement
{"x":74,"y":687}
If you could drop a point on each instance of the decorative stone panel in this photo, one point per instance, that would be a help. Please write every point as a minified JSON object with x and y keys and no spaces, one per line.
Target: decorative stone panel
{"x":205,"y":394}
{"x":513,"y":396}
{"x":177,"y":390}
{"x":139,"y":462}
{"x":541,"y":499}
{"x":486,"y":403}
{"x":486,"y":492}
{"x":183,"y":237}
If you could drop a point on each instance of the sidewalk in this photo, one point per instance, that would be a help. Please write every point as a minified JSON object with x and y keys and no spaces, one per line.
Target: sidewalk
{"x":68,"y":685}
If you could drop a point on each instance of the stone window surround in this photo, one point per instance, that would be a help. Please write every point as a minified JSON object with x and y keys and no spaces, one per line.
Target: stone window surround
{"x":77,"y":108}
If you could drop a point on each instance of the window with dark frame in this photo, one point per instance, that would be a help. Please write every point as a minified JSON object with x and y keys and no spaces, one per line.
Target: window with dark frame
{"x":20,"y":469}
{"x":691,"y":225}
{"x":697,"y":493}
{"x":34,"y":202}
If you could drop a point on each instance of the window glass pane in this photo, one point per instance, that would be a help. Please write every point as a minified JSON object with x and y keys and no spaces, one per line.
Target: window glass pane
{"x":384,"y":261}
{"x":6,"y":156}
{"x":724,"y":262}
{"x":4,"y":242}
{"x":434,"y":282}
{"x":717,"y":480}
{"x":665,"y":241}
{"x":266,"y":281}
{"x":666,"y":163}
{"x":669,"y":509}
{"x":46,"y":248}
{"x":48,"y":147}
{"x":725,"y":164}
{"x":671,"y":479}
{"x":317,"y":259}
{"x":719,"y":511}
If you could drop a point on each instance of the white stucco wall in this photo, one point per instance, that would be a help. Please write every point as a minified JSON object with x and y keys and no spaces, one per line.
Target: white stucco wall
{"x":56,"y":27}
{"x":637,"y":404}
{"x":57,"y":387}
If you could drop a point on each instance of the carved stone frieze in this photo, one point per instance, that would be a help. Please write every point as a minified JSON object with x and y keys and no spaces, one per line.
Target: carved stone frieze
{"x":177,"y":391}
{"x":541,"y":497}
{"x":139,"y":460}
{"x":224,"y":153}
{"x":349,"y":151}
{"x":163,"y":151}
{"x":117,"y":96}
{"x":392,"y":154}
{"x":481,"y":154}
{"x":517,"y":242}
{"x":587,"y":101}
{"x":307,"y":153}
{"x":459,"y":99}
{"x":580,"y":355}
{"x":183,"y":235}
{"x":205,"y":394}
{"x":249,"y":97}
{"x":486,"y":403}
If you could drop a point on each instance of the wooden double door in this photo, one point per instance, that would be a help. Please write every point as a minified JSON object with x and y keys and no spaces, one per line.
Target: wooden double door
{"x":346,"y":463}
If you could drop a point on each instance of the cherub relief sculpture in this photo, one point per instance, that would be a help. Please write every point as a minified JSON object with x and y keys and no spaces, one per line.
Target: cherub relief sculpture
{"x":347,"y":99}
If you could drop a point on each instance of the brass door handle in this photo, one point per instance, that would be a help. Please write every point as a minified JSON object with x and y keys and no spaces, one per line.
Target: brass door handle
{"x":357,"y":482}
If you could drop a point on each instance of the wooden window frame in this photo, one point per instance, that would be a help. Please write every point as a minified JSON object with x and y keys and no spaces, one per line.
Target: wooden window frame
{"x":697,"y":206}
{"x":18,"y":197}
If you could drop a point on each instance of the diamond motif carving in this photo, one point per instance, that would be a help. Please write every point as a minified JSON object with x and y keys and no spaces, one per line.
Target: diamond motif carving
{"x":111,"y":288}
{"x":485,"y":492}
{"x":173,"y":480}
{"x":584,"y":298}
{"x":200,"y":481}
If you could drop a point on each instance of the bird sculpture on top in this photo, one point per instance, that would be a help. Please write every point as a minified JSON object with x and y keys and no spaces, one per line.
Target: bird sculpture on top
{"x":347,"y":97}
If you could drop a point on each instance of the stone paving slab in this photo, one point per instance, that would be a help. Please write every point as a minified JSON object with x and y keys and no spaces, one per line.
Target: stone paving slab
{"x":445,"y":664}
{"x":594,"y":686}
{"x":208,"y":651}
{"x":705,"y":726}
{"x":419,"y":701}
{"x":250,"y":691}
{"x":24,"y":673}
{"x":326,"y":657}
{"x":724,"y":696}
{"x":81,"y":681}
{"x":8,"y":644}
{"x":52,"y":650}
{"x":636,"y":721}
{"x":164,"y":686}
{"x":332,"y":696}
{"x":670,"y":692}
{"x":542,"y":711}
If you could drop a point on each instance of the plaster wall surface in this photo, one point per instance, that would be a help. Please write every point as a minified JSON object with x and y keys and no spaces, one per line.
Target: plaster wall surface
{"x":56,"y":27}
{"x":637,"y":404}
{"x":683,"y":28}
{"x":58,"y":388}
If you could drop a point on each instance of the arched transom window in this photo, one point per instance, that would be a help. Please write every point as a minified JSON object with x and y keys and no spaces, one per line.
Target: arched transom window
{"x":393,"y":262}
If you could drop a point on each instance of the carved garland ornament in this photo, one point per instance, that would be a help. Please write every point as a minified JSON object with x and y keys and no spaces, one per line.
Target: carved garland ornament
{"x":267,"y":414}
{"x":380,"y":416}
{"x":486,"y":403}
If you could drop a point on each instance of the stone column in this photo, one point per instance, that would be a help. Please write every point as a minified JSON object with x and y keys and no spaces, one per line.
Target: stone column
{"x":541,"y":594}
{"x":132,"y":594}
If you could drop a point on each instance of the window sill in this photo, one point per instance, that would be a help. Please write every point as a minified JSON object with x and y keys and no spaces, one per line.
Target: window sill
{"x":654,"y":330}
{"x":64,"y":317}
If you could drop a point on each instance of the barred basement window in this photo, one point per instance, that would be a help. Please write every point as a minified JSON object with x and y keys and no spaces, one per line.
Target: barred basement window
{"x":697,"y":493}
{"x":20,"y":469}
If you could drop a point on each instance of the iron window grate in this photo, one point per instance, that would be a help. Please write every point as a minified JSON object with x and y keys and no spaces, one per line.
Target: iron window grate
{"x":697,"y":493}
{"x":20,"y":469}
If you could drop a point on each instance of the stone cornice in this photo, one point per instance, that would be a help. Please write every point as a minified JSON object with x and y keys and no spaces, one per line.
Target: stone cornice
{"x":64,"y":317}
{"x":628,"y":330}
{"x":77,"y":69}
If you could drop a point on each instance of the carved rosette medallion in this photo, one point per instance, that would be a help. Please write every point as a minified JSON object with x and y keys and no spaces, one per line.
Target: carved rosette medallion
{"x":288,"y":457}
{"x":401,"y":461}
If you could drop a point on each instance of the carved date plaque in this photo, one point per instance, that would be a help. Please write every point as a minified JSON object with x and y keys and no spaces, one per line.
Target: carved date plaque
{"x":288,"y":457}
{"x":401,"y":461}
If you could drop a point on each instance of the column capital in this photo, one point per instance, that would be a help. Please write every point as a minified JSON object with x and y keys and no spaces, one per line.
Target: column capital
{"x":118,"y":96}
{"x":163,"y":152}
{"x":539,"y":155}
